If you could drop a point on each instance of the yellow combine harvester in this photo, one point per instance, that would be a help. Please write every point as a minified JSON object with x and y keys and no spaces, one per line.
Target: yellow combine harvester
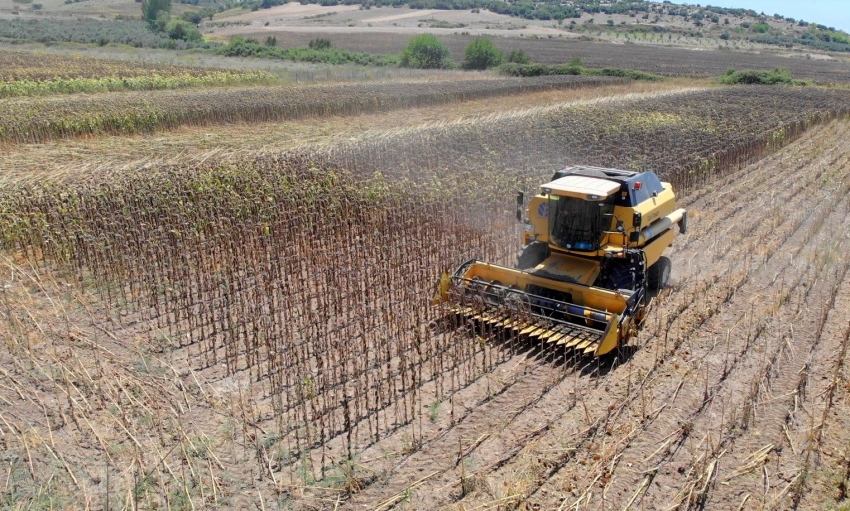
{"x":592,"y":250}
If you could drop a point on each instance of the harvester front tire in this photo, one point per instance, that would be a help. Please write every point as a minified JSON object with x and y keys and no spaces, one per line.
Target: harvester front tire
{"x":658,"y":275}
{"x":532,"y":254}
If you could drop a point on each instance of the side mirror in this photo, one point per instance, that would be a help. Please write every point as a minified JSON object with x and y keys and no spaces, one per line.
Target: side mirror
{"x":634,"y":237}
{"x":620,"y":227}
{"x":520,"y":200}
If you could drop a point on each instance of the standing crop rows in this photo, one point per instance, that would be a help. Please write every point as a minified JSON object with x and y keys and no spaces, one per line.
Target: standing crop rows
{"x":42,"y":66}
{"x":39,"y":74}
{"x":42,"y":119}
{"x":688,"y":139}
{"x":286,"y":274}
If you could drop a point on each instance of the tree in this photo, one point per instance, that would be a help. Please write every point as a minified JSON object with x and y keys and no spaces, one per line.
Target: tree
{"x":425,"y":52}
{"x":482,"y":54}
{"x":152,"y":8}
{"x":160,"y":24}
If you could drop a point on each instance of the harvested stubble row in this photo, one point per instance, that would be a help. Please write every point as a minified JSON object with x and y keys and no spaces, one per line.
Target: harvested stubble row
{"x":42,"y":119}
{"x":315,"y":283}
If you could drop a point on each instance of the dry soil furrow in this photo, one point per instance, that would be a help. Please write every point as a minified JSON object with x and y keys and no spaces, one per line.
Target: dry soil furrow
{"x":494,"y":439}
{"x":821,"y":424}
{"x":737,"y":396}
{"x":600,"y":397}
{"x":637,"y":458}
{"x":730,"y":409}
{"x":443,"y":451}
{"x":732,"y":199}
{"x":815,"y":424}
{"x":694,"y":391}
{"x":770,"y":399}
{"x":764,"y":463}
{"x":727,"y":237}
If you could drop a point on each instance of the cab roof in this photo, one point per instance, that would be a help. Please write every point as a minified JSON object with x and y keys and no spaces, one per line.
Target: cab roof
{"x":634,"y":187}
{"x":581,"y":187}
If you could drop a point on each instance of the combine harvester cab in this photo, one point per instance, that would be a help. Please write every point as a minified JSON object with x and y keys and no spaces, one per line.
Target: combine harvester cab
{"x":592,"y":251}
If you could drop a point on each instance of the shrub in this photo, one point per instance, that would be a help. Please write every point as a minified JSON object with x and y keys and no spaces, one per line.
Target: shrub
{"x":134,"y":33}
{"x":538,"y":70}
{"x":319,"y":43}
{"x":482,"y":54}
{"x":761,"y":27}
{"x":749,"y":76}
{"x":193,"y":17}
{"x":183,"y":30}
{"x":519,"y":56}
{"x":425,"y":51}
{"x":625,"y":73}
{"x":241,"y":47}
{"x":574,"y":68}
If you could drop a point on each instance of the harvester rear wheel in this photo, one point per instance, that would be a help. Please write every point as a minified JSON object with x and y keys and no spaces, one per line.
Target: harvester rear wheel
{"x":532,"y":254}
{"x":658,"y":275}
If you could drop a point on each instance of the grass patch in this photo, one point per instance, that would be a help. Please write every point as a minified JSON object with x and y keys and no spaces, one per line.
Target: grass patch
{"x":776,"y":76}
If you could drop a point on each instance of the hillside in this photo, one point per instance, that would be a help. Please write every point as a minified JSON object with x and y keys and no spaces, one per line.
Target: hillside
{"x":638,"y":22}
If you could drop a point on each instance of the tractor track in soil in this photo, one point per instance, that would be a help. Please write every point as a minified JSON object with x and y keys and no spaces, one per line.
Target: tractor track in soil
{"x":442,"y":453}
{"x":789,"y":191}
